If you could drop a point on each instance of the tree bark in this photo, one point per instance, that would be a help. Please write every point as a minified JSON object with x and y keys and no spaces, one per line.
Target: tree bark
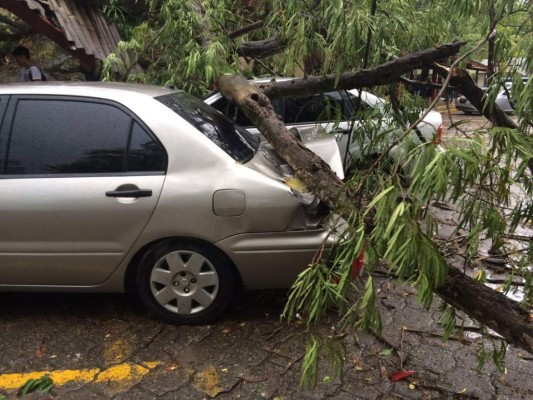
{"x":246,"y":29}
{"x":307,"y":165}
{"x":463,"y":82}
{"x":491,"y":54}
{"x":381,"y":75}
{"x":261,"y":48}
{"x":487,"y":306}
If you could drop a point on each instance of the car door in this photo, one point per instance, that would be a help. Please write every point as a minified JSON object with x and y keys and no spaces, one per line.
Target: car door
{"x":80,"y":179}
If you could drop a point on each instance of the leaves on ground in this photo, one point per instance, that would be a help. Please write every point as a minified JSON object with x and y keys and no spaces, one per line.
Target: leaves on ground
{"x":398,"y":376}
{"x":40,"y":385}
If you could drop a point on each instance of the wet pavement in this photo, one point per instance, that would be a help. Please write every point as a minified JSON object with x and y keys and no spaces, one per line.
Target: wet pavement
{"x":105,"y":347}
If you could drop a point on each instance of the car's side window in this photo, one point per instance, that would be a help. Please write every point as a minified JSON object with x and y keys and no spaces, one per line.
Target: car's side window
{"x":144,"y":154}
{"x":322,"y":107}
{"x":61,"y":136}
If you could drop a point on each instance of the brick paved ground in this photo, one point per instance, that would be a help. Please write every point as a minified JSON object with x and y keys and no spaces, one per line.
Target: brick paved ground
{"x":248,"y":355}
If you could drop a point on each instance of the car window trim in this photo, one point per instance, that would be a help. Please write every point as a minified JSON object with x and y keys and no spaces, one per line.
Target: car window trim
{"x":5,"y":100}
{"x":128,"y":145}
{"x":10,"y":113}
{"x":348,"y":104}
{"x":80,"y":175}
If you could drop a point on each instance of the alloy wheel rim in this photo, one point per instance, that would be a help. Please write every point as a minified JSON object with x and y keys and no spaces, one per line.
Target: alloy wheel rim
{"x":184,"y":282}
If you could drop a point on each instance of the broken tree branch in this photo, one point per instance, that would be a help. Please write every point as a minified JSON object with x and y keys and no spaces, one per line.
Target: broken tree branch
{"x":462,"y":81}
{"x":245,"y":29}
{"x":489,"y":307}
{"x":306,"y":164}
{"x":381,"y":75}
{"x":261,"y":48}
{"x":505,"y":317}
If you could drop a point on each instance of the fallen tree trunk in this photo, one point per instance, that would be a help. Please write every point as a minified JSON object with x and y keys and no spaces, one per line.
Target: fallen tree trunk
{"x":462,"y":81}
{"x":307,"y":165}
{"x":505,"y":317}
{"x":383,"y":74}
{"x":489,"y":307}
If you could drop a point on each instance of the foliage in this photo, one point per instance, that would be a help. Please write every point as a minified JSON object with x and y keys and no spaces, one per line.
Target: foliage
{"x":311,"y":362}
{"x":485,"y":173}
{"x":497,"y":354}
{"x":40,"y":385}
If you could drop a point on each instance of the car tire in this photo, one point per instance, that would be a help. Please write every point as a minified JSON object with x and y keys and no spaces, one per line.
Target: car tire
{"x":185,"y":283}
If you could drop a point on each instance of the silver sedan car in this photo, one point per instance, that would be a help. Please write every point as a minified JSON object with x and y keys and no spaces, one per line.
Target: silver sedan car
{"x":112,"y":187}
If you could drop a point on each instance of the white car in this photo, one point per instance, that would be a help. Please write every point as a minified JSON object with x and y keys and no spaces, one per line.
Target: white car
{"x":317,"y":116}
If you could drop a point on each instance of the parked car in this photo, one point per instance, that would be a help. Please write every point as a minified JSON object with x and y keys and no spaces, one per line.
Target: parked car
{"x":320,"y":114}
{"x":464,"y":105}
{"x":112,"y":187}
{"x":502,"y":99}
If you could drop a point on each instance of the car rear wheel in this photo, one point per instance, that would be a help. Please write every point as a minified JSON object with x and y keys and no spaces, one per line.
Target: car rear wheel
{"x":185,"y":283}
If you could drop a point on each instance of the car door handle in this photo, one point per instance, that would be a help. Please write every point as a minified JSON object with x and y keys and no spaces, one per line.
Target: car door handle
{"x":129,"y":193}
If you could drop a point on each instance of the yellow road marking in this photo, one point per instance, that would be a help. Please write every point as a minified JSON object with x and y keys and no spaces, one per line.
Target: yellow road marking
{"x":120,"y":372}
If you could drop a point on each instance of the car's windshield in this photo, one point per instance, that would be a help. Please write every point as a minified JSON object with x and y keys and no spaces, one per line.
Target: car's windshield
{"x":233,"y":139}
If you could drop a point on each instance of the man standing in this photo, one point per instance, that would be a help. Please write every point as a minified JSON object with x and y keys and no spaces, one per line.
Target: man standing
{"x":28,"y":71}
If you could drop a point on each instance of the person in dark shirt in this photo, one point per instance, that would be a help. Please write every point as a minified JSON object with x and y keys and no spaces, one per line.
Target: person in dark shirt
{"x":28,"y":71}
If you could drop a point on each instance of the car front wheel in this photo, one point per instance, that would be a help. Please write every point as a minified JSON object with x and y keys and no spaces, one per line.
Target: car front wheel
{"x":185,"y":283}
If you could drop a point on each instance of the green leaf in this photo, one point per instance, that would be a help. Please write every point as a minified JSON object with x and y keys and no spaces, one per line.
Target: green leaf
{"x":41,"y":385}
{"x":398,"y":212}
{"x":377,"y":199}
{"x":386,"y":352}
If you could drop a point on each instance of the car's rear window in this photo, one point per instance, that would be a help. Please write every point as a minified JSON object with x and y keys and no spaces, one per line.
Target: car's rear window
{"x":233,"y":139}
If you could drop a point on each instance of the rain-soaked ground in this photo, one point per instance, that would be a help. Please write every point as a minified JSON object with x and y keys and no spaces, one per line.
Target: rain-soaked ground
{"x":104,"y":346}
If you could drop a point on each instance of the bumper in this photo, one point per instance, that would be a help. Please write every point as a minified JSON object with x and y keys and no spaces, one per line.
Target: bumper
{"x":466,"y":107}
{"x":274,"y":260}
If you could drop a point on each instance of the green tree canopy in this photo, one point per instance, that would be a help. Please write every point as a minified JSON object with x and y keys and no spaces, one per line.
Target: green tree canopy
{"x":191,"y":43}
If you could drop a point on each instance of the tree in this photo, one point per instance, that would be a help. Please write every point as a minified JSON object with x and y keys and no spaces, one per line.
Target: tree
{"x":388,"y":220}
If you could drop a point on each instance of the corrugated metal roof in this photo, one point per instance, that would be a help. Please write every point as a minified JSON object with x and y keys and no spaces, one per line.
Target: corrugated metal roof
{"x":85,"y":27}
{"x":86,"y":33}
{"x":34,"y":5}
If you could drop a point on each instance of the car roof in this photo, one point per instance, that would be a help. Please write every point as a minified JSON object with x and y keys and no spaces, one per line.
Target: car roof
{"x":91,"y":89}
